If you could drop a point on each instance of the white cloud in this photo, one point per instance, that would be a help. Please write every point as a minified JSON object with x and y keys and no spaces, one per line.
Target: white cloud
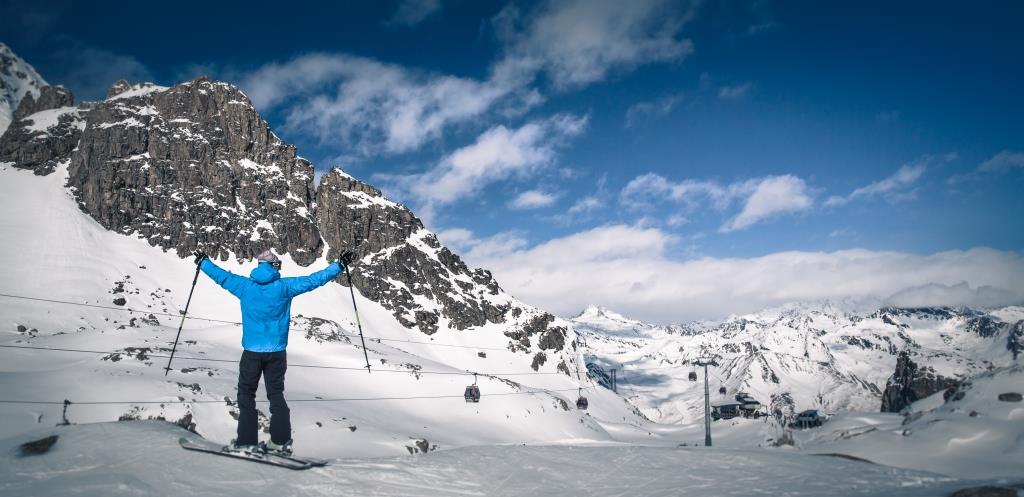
{"x":659,"y":107}
{"x":650,"y":187}
{"x":1003,"y":161}
{"x":735,"y":92}
{"x":497,"y":246}
{"x":412,"y":12}
{"x":586,"y":205}
{"x":533,"y":199}
{"x":627,"y":268}
{"x":938,"y":295}
{"x":372,"y":106}
{"x":578,"y":42}
{"x":458,"y":239}
{"x":763,"y":198}
{"x":498,"y":154}
{"x":893,"y":188}
{"x":773,"y":196}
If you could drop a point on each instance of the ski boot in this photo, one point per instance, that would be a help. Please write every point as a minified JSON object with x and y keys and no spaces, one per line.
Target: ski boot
{"x":284,"y":450}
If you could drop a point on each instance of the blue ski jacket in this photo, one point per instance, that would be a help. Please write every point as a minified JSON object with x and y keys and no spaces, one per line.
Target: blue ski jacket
{"x":266,"y":300}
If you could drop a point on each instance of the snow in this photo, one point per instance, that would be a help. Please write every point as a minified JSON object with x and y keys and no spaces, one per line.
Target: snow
{"x":143,"y":458}
{"x":273,"y":169}
{"x":19,"y":78}
{"x":44,"y":120}
{"x":138,"y":90}
{"x":57,"y":252}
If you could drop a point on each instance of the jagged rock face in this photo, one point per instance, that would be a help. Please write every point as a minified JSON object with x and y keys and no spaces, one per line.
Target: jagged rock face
{"x":45,"y":132}
{"x":910,"y":383}
{"x":50,"y":97}
{"x":120,"y":86}
{"x":392,"y":245}
{"x":194,"y":166}
{"x":1015,"y":339}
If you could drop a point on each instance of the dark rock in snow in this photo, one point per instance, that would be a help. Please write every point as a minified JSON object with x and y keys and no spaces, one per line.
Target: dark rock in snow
{"x":50,"y":97}
{"x":37,"y":447}
{"x":538,"y":360}
{"x":45,"y":131}
{"x":989,"y":491}
{"x":984,"y":326}
{"x":910,"y":383}
{"x":1011,"y":397}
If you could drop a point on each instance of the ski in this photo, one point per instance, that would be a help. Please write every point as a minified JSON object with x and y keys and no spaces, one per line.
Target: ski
{"x":312,"y":461}
{"x":224,"y":450}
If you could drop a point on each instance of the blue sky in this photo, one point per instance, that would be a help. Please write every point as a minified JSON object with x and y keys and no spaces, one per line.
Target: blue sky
{"x":690,"y":134}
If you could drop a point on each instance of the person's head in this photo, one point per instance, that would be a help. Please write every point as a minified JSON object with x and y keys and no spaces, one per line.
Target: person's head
{"x":269,"y":257}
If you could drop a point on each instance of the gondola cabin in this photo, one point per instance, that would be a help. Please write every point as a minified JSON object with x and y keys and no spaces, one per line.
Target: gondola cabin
{"x":582,"y":404}
{"x":721,"y":391}
{"x":472,"y":393}
{"x":693,"y":376}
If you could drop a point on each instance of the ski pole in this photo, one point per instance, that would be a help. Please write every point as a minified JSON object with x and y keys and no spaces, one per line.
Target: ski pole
{"x":358,"y":324}
{"x":189,"y":301}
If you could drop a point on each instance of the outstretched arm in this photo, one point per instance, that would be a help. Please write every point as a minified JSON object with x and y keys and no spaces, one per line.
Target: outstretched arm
{"x":230,"y":282}
{"x":302,"y":284}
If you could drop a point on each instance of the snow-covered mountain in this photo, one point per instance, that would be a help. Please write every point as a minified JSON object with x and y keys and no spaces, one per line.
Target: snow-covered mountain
{"x":830,"y":356}
{"x":17,"y":79}
{"x":101,"y":202}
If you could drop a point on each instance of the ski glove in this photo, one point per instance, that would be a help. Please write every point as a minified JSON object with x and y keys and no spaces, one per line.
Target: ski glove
{"x":346,"y":257}
{"x":200,"y":256}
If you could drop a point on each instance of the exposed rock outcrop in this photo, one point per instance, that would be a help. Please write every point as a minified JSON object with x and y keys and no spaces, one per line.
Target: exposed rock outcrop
{"x":392,"y":245}
{"x":50,"y":97}
{"x":194,"y":167}
{"x":45,"y":132}
{"x":910,"y":383}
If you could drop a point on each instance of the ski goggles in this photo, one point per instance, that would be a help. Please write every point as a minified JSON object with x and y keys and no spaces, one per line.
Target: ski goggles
{"x":276,"y":265}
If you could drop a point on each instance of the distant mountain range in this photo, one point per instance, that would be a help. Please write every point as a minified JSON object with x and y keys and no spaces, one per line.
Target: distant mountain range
{"x":830,"y":356}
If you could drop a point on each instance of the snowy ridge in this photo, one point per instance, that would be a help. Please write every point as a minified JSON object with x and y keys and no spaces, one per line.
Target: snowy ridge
{"x":17,"y":79}
{"x":795,"y":357}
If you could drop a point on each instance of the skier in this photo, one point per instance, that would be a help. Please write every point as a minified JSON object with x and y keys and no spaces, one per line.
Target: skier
{"x":266,"y":300}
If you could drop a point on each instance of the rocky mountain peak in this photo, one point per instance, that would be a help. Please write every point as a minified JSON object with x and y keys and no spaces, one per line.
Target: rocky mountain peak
{"x":194,"y":166}
{"x":17,"y":79}
{"x":594,"y":311}
{"x":49,"y":97}
{"x":120,"y":86}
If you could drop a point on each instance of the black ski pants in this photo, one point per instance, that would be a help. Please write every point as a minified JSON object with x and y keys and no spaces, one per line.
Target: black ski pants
{"x":272,"y":366}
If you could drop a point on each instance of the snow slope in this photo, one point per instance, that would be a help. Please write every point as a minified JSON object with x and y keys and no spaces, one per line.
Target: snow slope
{"x":53,"y":251}
{"x":970,"y":435}
{"x":17,"y":78}
{"x":106,"y":459}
